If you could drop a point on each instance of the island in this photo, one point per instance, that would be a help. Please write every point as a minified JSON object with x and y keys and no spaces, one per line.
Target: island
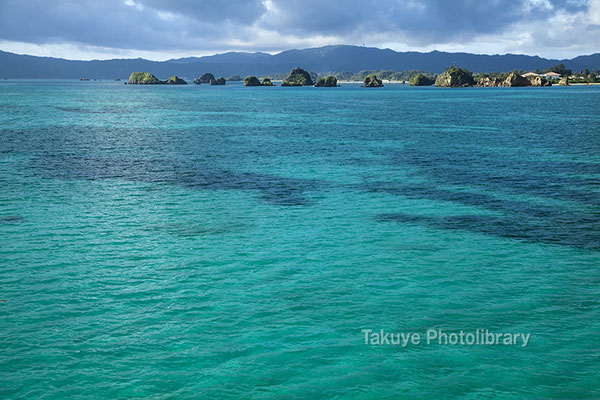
{"x":175,"y":80}
{"x":251,"y":81}
{"x":328,"y":81}
{"x":298,"y":77}
{"x":218,"y":82}
{"x":455,"y":77}
{"x":372,"y":81}
{"x":146,"y":78}
{"x":421,"y":80}
{"x":143,"y":78}
{"x":267,"y":82}
{"x":206,"y":78}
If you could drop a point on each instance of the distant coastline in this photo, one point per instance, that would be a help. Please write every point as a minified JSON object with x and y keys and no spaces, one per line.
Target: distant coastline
{"x":452,"y":77}
{"x":326,"y":60}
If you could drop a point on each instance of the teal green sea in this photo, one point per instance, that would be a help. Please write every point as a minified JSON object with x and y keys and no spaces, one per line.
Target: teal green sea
{"x":207,"y":242}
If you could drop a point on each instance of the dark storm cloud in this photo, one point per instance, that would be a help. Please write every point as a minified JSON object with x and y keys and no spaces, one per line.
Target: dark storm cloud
{"x":207,"y":24}
{"x":430,"y":19}
{"x":245,"y":12}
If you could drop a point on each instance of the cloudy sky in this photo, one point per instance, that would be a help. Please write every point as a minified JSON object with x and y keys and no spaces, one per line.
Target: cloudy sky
{"x":163,"y":29}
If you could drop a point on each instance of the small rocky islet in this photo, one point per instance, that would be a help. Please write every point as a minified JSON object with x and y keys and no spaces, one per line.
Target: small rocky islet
{"x":372,"y":81}
{"x":328,"y":81}
{"x":218,"y":82}
{"x":455,"y":77}
{"x":251,"y":81}
{"x":206,"y":78}
{"x":421,"y":79}
{"x":146,"y":78}
{"x":298,"y":77}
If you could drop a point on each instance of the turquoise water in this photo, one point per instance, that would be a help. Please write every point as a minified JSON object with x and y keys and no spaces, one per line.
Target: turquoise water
{"x":229,"y":242}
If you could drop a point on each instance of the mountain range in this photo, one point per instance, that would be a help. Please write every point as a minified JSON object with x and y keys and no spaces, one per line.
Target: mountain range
{"x":338,"y":58}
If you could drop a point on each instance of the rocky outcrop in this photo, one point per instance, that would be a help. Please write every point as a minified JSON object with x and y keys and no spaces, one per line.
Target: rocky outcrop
{"x":298,"y":77}
{"x":564,"y":81}
{"x":538,"y":81}
{"x":372,"y":81}
{"x":175,"y":80}
{"x":267,"y":82}
{"x":516,"y":80}
{"x":218,"y":82}
{"x":455,"y":77}
{"x":143,"y":78}
{"x":328,"y":81}
{"x":486,"y":81}
{"x":251,"y":81}
{"x":206,"y":78}
{"x":421,"y":80}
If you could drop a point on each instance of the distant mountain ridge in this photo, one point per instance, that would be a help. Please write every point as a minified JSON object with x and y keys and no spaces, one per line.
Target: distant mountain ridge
{"x":339,"y":58}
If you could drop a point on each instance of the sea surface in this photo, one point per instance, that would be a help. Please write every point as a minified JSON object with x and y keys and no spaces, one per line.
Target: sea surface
{"x":179,"y":242}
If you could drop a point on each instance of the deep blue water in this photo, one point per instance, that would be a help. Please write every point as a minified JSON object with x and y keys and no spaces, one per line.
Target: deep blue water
{"x":229,"y":242}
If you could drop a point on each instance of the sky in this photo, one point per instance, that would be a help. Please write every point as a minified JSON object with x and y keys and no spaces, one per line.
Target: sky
{"x":165,"y":29}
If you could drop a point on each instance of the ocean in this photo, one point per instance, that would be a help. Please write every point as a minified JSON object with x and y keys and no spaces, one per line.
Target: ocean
{"x":174,"y":242}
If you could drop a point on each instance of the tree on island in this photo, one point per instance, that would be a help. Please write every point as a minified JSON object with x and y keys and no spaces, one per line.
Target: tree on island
{"x":328,"y":81}
{"x":298,"y":77}
{"x":267,"y":82}
{"x":559,"y":69}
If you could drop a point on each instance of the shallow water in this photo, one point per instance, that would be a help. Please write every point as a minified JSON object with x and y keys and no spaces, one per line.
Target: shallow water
{"x":230,"y":242}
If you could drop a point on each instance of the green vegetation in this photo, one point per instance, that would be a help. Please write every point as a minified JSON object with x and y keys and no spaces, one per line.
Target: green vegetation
{"x":585,"y":77}
{"x":234,"y":78}
{"x":143,"y":78}
{"x":421,"y":80}
{"x":329,"y":81}
{"x":251,"y":81}
{"x":298,"y":77}
{"x":267,"y":82}
{"x":455,"y":77}
{"x":218,"y":82}
{"x":174,"y":80}
{"x":372,"y":81}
